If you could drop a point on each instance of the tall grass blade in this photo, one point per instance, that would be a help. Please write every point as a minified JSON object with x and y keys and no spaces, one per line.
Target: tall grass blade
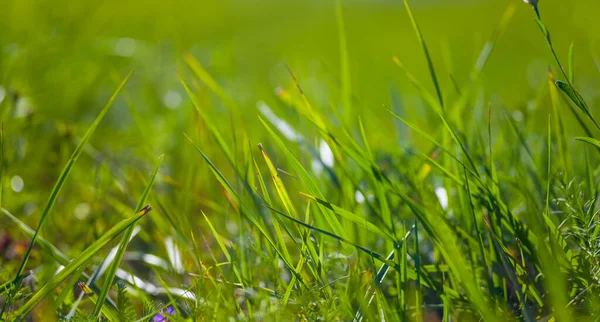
{"x":306,"y":179}
{"x":208,"y":80}
{"x":572,"y":63}
{"x":235,"y":199}
{"x":79,"y":261}
{"x":112,"y":269}
{"x":417,"y":31}
{"x":109,"y":313}
{"x":345,"y":64}
{"x":65,"y":173}
{"x":591,"y":141}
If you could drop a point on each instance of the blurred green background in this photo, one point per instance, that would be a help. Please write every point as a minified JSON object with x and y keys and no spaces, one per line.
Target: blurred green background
{"x":60,"y":61}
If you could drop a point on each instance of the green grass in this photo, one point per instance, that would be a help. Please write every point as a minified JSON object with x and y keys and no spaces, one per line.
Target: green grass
{"x":324,"y":161}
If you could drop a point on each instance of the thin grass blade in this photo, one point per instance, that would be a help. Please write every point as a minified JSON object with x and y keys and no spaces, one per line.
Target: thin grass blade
{"x":80,"y":260}
{"x":112,"y":269}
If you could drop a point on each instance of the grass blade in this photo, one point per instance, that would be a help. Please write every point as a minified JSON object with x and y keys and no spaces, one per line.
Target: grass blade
{"x":417,"y":31}
{"x":306,"y":178}
{"x":362,"y":222}
{"x":572,"y":63}
{"x":67,"y":169}
{"x":112,"y":269}
{"x":208,"y":80}
{"x":80,"y":260}
{"x":590,"y":141}
{"x":109,"y":313}
{"x":235,"y":199}
{"x":345,"y":64}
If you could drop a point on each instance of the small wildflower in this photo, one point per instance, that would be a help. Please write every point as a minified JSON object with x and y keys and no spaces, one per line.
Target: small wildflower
{"x":161,"y":318}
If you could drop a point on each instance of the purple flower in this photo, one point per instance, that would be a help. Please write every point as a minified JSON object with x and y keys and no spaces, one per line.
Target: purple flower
{"x":161,"y":318}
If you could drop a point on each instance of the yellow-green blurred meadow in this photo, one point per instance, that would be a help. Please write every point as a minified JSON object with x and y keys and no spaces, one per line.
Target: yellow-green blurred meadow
{"x":391,"y":183}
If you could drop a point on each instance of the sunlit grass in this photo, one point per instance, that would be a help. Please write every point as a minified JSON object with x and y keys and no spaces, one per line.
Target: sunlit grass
{"x":294,"y":202}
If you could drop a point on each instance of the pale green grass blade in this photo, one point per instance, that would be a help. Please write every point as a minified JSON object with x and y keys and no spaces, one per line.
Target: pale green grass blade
{"x":360,"y":221}
{"x":108,"y":313}
{"x":444,"y":170}
{"x":591,"y":141}
{"x":279,"y":187}
{"x":343,"y":240}
{"x":403,"y":278}
{"x":591,"y":185}
{"x":559,"y":127}
{"x":306,"y":178}
{"x":112,"y":269}
{"x":223,"y":248}
{"x":445,"y":237}
{"x":463,"y":101}
{"x":345,"y":76}
{"x":577,"y":99}
{"x":382,"y":272}
{"x":209,"y":81}
{"x":212,"y":127}
{"x":568,"y":88}
{"x":67,"y":170}
{"x":276,"y":225}
{"x":526,"y":310}
{"x":557,"y":283}
{"x":491,"y":44}
{"x":225,"y":184}
{"x":291,"y":210}
{"x":424,"y":93}
{"x":434,"y":141}
{"x":384,"y":209}
{"x":417,"y":258}
{"x":572,"y":63}
{"x":79,"y":261}
{"x":482,"y":252}
{"x":549,"y":164}
{"x":51,"y":250}
{"x":5,"y":287}
{"x":419,"y":35}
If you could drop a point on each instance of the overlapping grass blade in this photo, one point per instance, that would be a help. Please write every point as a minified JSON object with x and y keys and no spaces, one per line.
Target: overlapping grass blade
{"x":345,"y":76}
{"x":306,"y":179}
{"x":572,"y":63}
{"x":208,"y":80}
{"x":223,"y":249}
{"x":359,"y":220}
{"x":112,"y":269}
{"x":343,"y":240}
{"x":108,"y":313}
{"x":67,"y":170}
{"x":419,"y":35}
{"x":80,"y":260}
{"x":568,"y":88}
{"x":235,"y":199}
{"x":63,"y":177}
{"x":383,"y":270}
